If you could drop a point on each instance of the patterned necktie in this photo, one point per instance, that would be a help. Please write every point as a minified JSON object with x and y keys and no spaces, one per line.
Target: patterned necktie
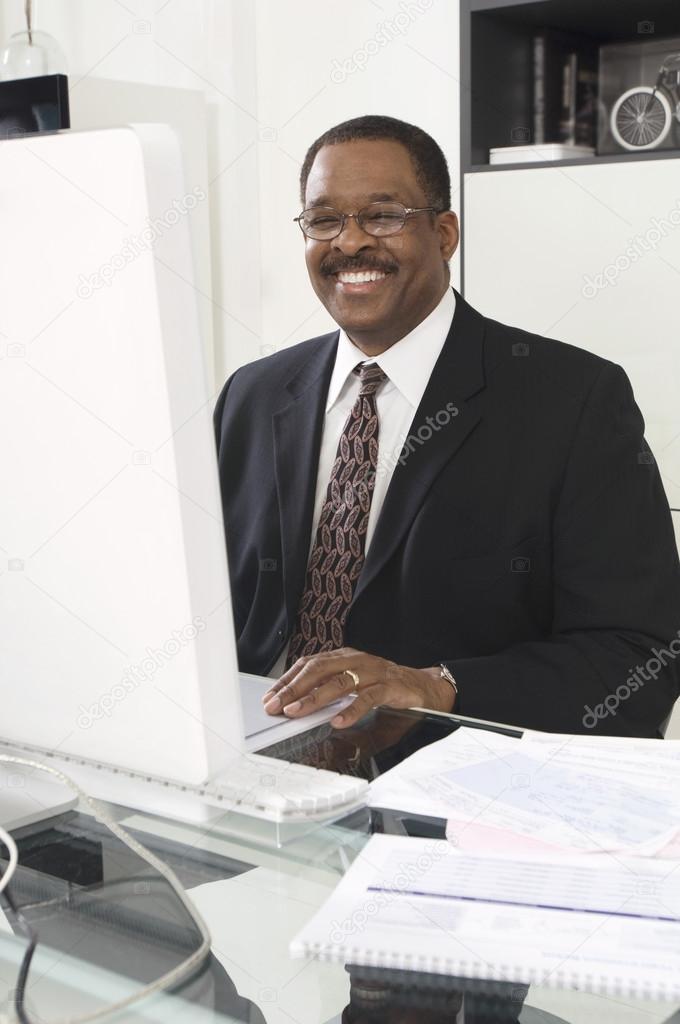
{"x":340,"y":543}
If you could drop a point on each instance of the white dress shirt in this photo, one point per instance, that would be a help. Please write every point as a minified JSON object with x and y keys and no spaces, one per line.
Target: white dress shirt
{"x":408,"y":364}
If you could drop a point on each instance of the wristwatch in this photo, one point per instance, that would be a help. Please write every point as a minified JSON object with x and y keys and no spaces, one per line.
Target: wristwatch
{"x":445,"y":674}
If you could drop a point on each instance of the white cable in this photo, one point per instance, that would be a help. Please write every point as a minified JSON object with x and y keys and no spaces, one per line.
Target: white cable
{"x":171,"y":977}
{"x":6,"y":838}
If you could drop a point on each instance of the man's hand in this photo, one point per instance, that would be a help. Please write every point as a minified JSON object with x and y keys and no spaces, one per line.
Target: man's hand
{"x":314,"y":682}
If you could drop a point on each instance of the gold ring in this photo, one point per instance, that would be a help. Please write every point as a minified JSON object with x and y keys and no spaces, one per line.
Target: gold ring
{"x":353,"y":676}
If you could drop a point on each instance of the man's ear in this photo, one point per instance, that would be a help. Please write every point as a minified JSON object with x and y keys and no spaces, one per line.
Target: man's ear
{"x":449,"y":234}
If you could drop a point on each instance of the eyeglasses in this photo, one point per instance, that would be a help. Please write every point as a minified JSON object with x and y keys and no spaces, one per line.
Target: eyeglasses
{"x":323,"y":222}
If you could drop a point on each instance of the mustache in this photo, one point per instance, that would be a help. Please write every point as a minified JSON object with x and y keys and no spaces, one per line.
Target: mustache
{"x":336,"y":265}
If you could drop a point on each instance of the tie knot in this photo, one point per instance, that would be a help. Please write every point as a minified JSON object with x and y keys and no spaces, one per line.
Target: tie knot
{"x":370,"y":377}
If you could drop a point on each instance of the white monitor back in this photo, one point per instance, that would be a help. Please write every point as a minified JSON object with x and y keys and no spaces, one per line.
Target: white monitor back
{"x":116,"y":631}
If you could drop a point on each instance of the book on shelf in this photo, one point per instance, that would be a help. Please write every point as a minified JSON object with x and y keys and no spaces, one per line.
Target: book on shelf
{"x":564,"y":88}
{"x":567,"y":126}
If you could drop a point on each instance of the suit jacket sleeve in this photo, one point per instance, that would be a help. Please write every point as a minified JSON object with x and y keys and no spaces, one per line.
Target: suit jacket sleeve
{"x":607,"y":665}
{"x":218,"y":412}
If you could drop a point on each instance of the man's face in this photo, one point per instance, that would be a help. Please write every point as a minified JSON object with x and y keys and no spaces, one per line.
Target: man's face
{"x":413,"y":272}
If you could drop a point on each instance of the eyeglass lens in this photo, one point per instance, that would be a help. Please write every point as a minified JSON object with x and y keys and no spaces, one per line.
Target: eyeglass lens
{"x":376,"y":219}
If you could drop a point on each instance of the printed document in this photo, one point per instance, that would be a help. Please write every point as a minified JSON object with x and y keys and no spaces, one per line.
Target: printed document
{"x":543,"y":791}
{"x":604,"y":924}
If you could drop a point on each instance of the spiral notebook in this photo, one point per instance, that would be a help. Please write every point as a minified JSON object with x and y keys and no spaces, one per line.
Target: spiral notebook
{"x":596,"y":922}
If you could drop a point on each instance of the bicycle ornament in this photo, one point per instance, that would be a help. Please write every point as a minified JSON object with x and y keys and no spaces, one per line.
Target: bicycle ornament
{"x":642,"y":117}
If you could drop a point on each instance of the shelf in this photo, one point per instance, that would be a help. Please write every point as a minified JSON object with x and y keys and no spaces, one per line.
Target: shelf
{"x":497,"y":55}
{"x":608,"y":20}
{"x":610,"y":158}
{"x":497,"y":61}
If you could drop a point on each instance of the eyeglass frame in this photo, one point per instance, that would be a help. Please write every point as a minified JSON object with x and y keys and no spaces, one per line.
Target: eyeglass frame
{"x":409,"y":211}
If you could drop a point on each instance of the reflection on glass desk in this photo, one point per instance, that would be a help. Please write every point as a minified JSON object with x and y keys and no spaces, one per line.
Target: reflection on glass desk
{"x":379,"y":742}
{"x":108,"y":924}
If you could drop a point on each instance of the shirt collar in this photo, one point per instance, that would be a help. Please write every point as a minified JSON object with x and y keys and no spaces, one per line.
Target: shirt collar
{"x":408,"y":363}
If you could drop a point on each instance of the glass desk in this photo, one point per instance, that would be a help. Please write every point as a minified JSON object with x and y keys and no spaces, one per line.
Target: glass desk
{"x":108,"y":924}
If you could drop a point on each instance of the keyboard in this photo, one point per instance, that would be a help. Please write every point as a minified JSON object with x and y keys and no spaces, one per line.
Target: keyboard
{"x":254,"y":785}
{"x":282,"y":791}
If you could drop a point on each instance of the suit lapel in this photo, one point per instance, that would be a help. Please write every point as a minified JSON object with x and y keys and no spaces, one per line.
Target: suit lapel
{"x":298,"y":429}
{"x":436,"y":434}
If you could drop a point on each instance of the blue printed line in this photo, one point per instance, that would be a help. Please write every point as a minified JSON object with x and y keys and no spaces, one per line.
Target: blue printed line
{"x":519,"y":903}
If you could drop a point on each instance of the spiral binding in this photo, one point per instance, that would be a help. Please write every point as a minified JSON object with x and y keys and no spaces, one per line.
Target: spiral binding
{"x":513,"y":973}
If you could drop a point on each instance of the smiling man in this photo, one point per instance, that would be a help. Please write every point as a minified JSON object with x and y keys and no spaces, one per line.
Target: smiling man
{"x":427,"y":507}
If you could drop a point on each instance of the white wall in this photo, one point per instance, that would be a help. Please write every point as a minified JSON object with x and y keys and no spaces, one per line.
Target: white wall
{"x":396,"y":57}
{"x":273,"y":75}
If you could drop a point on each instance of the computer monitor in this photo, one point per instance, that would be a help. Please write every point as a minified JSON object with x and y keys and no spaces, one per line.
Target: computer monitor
{"x":116,"y":630}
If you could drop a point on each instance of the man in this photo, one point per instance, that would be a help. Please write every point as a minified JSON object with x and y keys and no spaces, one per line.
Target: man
{"x":430,"y":508}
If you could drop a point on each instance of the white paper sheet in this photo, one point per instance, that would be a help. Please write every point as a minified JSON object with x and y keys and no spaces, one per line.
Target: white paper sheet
{"x":559,"y":791}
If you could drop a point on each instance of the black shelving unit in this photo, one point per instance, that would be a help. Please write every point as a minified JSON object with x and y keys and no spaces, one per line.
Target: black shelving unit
{"x":496,"y":39}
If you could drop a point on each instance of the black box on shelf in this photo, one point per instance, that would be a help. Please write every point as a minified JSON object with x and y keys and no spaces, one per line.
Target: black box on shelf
{"x":639,"y":96}
{"x":29,"y":105}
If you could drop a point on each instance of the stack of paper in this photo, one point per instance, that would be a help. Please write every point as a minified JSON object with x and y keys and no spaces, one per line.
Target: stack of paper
{"x":543,"y":792}
{"x":539,"y":153}
{"x":556,"y":872}
{"x":607,"y":924}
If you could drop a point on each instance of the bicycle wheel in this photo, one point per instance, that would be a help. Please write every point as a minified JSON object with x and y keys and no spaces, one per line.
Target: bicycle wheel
{"x":641,"y":118}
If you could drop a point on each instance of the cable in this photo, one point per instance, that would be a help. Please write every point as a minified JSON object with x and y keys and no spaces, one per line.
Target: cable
{"x":20,"y":990}
{"x":6,"y":838}
{"x":13,"y":861}
{"x":170,"y":978}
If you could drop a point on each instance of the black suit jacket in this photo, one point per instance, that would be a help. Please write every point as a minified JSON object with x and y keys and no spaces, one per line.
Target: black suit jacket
{"x":525,"y":540}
